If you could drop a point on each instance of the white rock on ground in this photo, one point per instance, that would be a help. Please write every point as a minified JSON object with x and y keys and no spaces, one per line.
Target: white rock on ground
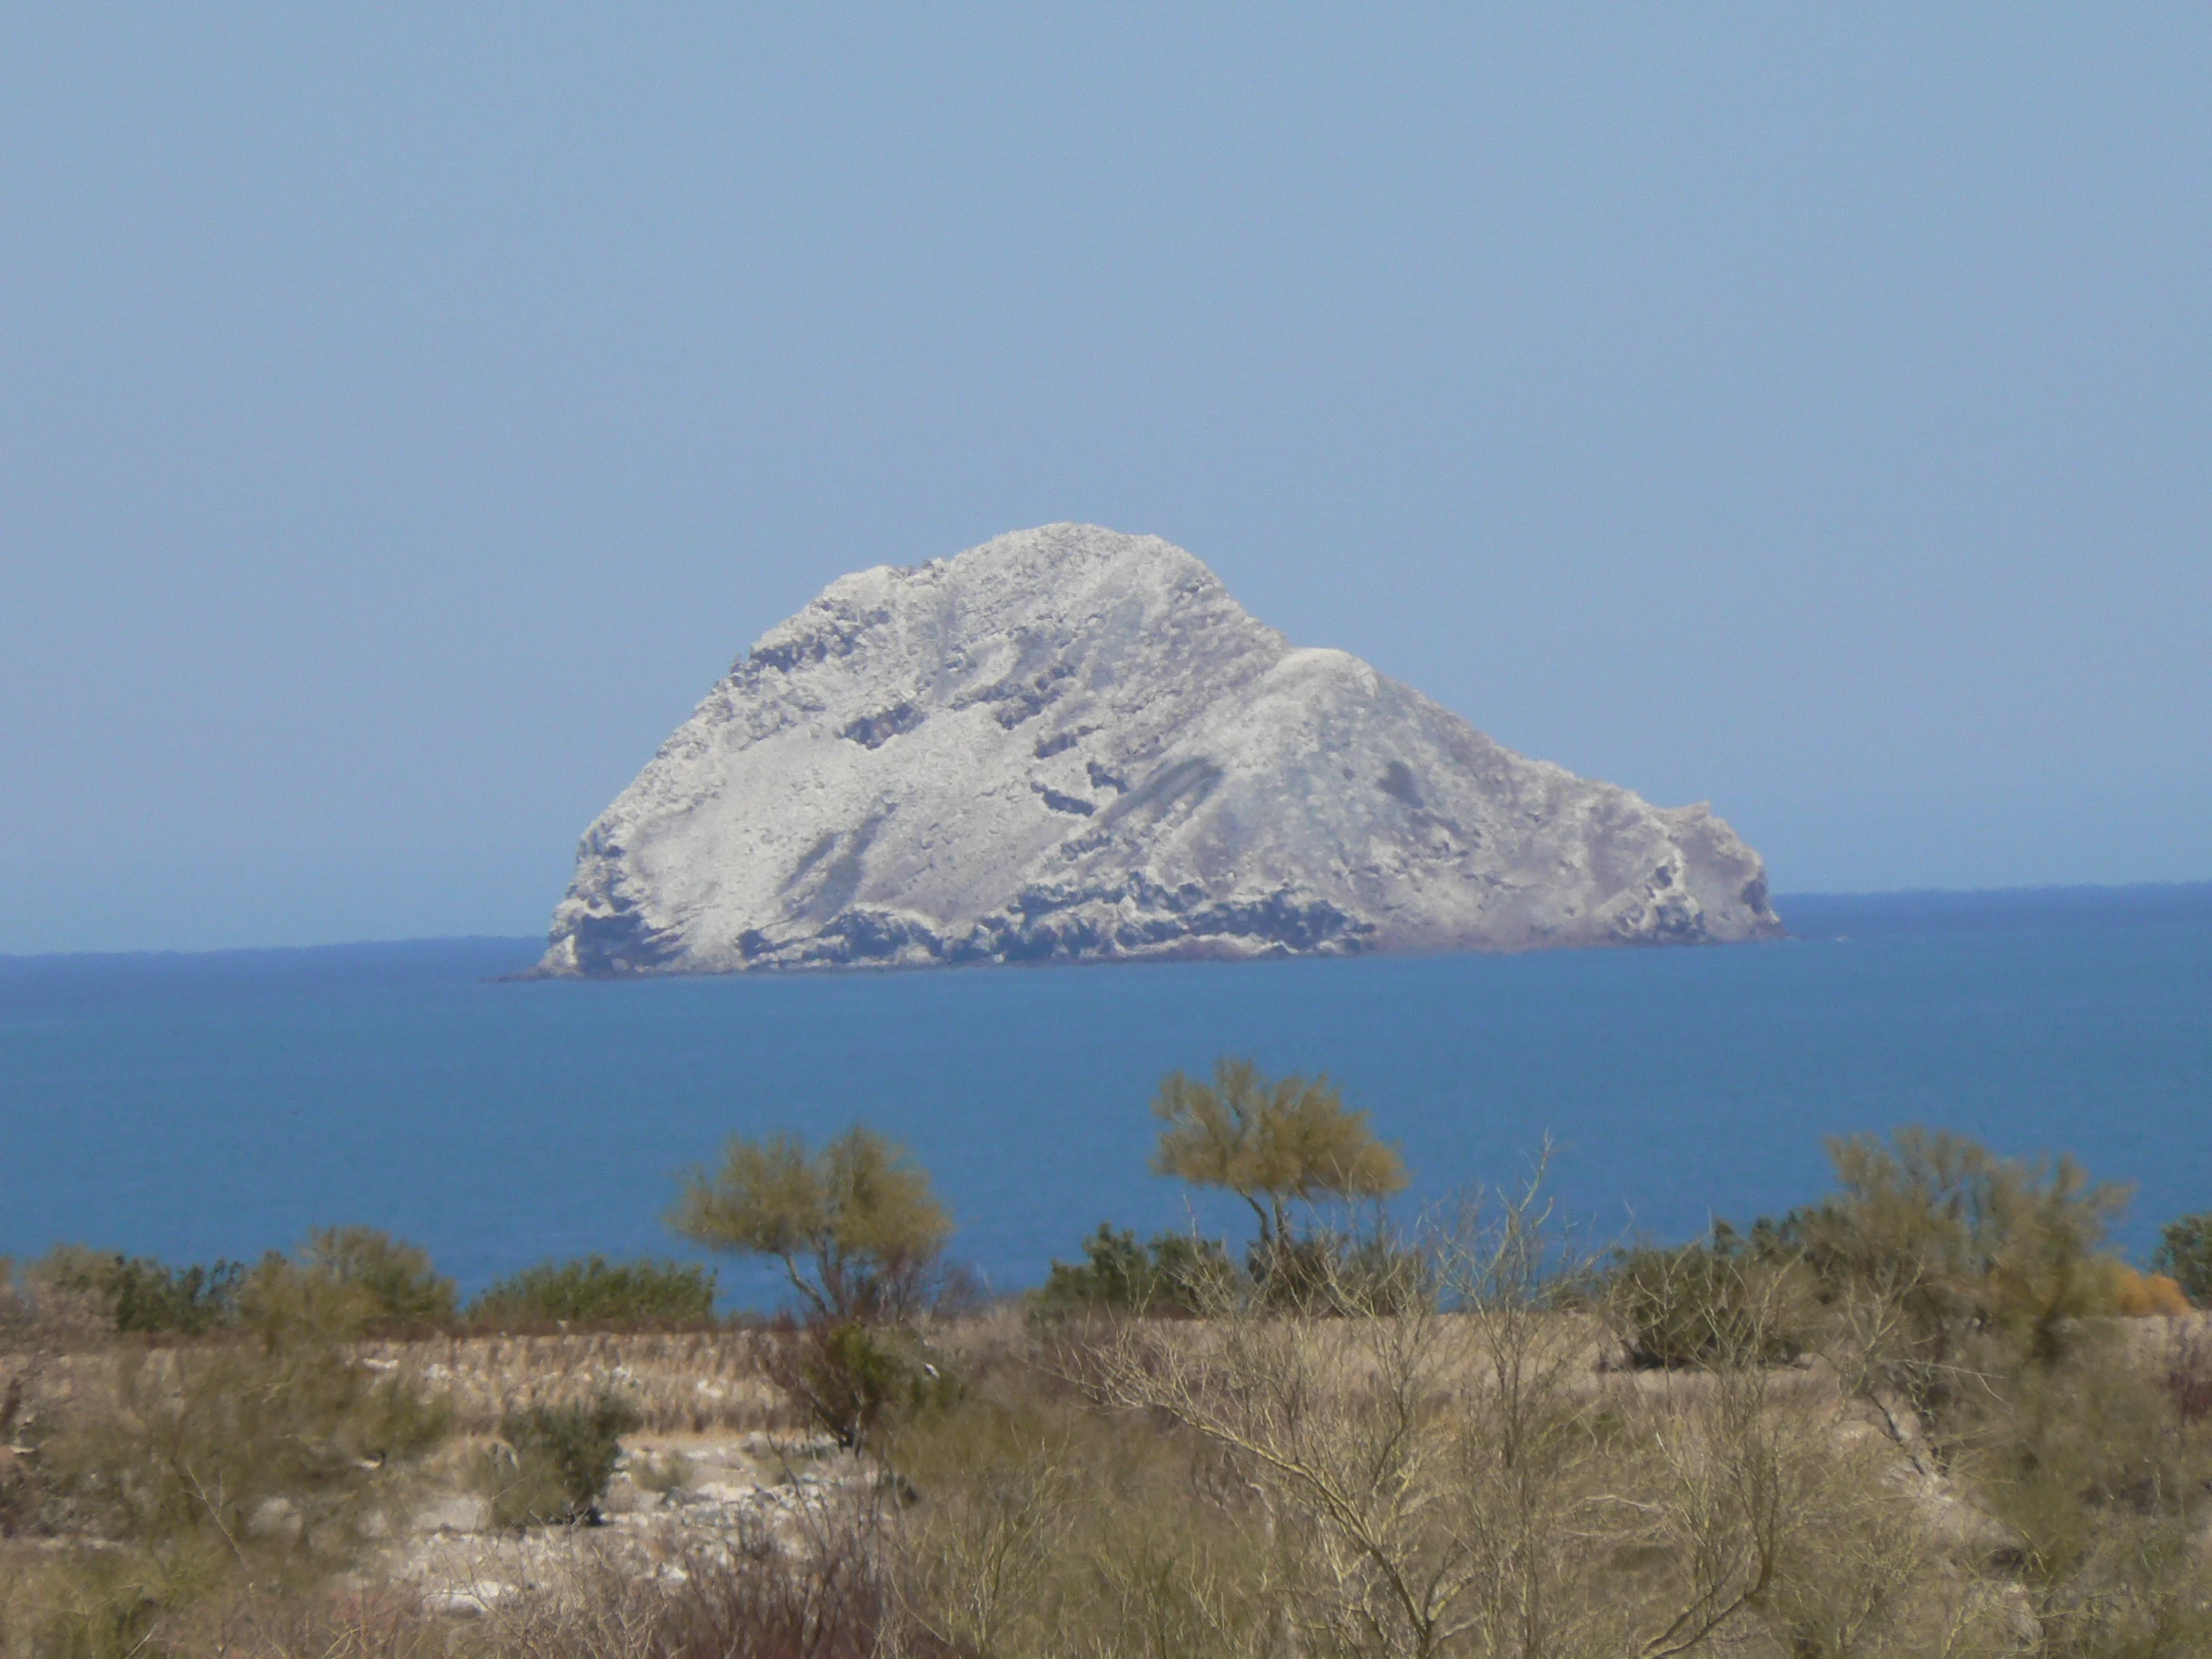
{"x":748,"y":1495}
{"x":1071,"y":743}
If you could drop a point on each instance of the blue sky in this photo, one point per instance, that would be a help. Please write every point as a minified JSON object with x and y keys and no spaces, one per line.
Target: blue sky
{"x":406,"y":414}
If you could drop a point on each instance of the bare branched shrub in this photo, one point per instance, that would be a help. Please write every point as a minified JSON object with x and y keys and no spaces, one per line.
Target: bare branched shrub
{"x":1462,"y":1480}
{"x":828,"y":1596}
{"x":1534,"y":1524}
{"x":1028,"y":1522}
{"x":1332,"y":1421}
{"x":978,"y":1572}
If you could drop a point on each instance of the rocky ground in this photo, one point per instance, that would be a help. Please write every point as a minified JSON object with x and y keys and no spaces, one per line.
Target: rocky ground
{"x":673,"y":1497}
{"x":724,"y":1472}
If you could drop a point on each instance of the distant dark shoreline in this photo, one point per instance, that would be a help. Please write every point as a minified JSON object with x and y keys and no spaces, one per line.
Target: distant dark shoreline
{"x":1813,"y":915}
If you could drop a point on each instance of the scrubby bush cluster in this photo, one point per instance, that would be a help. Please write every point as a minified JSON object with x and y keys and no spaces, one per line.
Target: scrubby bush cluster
{"x":1174,"y":1276}
{"x":553,"y":1463}
{"x":356,"y":1277}
{"x":632,"y":1296}
{"x":370,"y":1282}
{"x":262,"y":1454}
{"x":141,"y":1294}
{"x":1961,"y":1253}
{"x":1909,"y":1420}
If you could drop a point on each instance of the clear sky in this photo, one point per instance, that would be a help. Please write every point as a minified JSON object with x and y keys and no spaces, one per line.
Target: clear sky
{"x":406,"y":414}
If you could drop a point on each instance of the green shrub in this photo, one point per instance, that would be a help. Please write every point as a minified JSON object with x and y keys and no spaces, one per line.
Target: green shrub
{"x":147,"y":1296}
{"x":562,"y":1457}
{"x":1176,"y":1273}
{"x":397,"y":1278}
{"x":595,"y":1290}
{"x":1341,"y":1274}
{"x":1179,"y":1274}
{"x":2185,"y":1253}
{"x":1702,"y":1304}
{"x":281,"y":1459}
{"x":855,"y":1378}
{"x":342,"y":1281}
{"x":142,"y":1294}
{"x":1951,"y":1262}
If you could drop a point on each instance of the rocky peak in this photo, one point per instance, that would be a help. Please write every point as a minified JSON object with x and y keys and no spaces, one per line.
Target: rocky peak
{"x":1070,"y":743}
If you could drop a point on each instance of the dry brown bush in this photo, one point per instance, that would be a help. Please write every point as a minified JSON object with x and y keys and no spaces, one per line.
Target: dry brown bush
{"x":829,"y":1599}
{"x":1463,"y":1482}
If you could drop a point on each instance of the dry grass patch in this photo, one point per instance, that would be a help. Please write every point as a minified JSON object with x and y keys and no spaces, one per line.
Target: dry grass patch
{"x":696,"y":1381}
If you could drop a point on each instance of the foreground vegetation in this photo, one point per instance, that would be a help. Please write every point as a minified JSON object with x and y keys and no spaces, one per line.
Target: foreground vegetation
{"x":1929,"y":1415}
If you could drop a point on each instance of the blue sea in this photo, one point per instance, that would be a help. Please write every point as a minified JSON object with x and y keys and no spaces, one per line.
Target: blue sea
{"x":195,"y":1106}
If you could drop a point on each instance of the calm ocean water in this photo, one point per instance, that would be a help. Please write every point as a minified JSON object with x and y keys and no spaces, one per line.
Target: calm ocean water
{"x":195,"y":1106}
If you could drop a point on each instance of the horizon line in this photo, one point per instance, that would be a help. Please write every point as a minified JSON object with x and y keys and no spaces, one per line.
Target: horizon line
{"x":2049,"y":889}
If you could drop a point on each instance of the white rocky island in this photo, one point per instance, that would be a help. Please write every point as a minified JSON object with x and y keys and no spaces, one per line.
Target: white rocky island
{"x":1073,"y":744}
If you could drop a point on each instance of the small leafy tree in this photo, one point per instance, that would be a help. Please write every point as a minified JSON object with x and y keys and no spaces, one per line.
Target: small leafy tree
{"x":397,"y":1278}
{"x":858,"y":1212}
{"x":1272,"y":1144}
{"x":1177,"y":1273}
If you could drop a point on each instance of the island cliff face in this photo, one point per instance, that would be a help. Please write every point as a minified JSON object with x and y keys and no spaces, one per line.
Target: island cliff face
{"x":1070,"y":744}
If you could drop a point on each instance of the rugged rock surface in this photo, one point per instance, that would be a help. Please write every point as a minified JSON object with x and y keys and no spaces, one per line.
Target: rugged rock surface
{"x":1071,"y":743}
